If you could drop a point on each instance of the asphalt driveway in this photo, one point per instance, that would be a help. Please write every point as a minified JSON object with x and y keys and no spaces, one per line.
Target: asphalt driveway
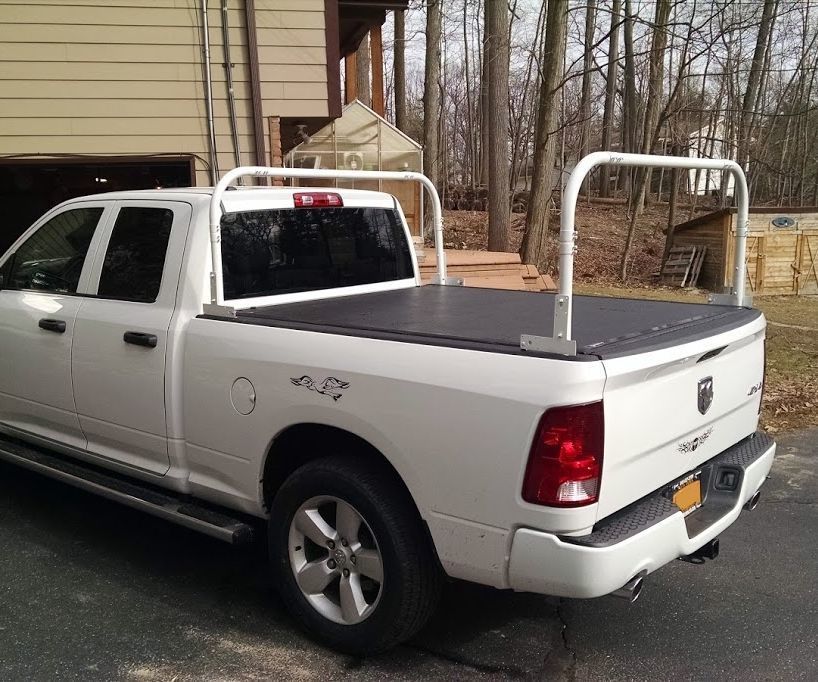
{"x":93,"y":591}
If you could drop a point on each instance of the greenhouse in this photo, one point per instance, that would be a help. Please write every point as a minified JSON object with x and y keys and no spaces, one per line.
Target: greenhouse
{"x":362,"y":140}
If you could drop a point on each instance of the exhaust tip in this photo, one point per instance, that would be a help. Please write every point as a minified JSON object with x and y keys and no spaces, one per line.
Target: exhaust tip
{"x":631,"y":590}
{"x":752,"y":503}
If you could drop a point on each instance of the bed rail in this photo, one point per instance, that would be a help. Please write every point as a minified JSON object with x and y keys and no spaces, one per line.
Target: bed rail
{"x":216,"y":277}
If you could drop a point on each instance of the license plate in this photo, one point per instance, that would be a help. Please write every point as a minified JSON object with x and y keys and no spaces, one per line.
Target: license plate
{"x":687,"y":493}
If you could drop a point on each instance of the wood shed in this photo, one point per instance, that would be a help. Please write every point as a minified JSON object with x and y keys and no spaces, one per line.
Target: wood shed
{"x":782,"y":249}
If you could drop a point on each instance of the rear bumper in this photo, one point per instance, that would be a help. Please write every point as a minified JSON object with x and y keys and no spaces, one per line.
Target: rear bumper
{"x":641,"y":538}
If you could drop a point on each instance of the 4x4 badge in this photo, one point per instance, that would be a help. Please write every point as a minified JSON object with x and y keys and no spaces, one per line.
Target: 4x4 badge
{"x":705,"y":394}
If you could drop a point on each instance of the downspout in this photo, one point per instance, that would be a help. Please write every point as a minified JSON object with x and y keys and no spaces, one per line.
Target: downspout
{"x":255,"y":81}
{"x":231,"y":96}
{"x":214,"y":163}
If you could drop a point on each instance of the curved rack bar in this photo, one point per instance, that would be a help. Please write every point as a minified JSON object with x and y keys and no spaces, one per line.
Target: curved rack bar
{"x":217,"y":281}
{"x":568,"y":234}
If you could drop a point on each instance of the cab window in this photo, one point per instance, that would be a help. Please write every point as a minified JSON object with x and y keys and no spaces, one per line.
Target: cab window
{"x":52,"y":258}
{"x":135,"y":258}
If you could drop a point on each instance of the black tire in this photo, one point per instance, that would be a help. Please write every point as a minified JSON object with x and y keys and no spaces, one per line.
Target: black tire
{"x":411,"y":574}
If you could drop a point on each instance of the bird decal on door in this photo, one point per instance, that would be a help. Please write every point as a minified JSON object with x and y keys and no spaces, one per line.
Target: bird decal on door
{"x":329,"y":386}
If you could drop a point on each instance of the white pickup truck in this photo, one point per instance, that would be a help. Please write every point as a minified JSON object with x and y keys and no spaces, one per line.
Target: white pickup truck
{"x":228,"y":357}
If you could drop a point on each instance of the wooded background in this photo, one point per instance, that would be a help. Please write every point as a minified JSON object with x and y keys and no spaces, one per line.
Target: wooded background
{"x":506,"y":96}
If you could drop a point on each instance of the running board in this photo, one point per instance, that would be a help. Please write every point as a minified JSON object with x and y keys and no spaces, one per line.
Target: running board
{"x":179,"y":510}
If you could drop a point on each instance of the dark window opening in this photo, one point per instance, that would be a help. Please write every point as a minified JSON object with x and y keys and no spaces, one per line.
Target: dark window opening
{"x":295,"y":250}
{"x":51,"y":259}
{"x":135,"y":258}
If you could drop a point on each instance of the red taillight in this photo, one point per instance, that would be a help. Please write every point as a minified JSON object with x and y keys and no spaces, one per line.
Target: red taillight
{"x":565,"y":464}
{"x":317,"y":200}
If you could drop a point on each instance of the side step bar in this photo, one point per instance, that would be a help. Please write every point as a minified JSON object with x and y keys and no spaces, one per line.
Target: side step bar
{"x":184,"y":512}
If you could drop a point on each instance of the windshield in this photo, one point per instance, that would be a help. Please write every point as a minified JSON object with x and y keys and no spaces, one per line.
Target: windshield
{"x":294,"y":250}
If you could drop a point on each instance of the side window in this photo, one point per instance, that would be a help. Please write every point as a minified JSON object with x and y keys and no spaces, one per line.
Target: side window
{"x":135,"y":258}
{"x":52,"y":258}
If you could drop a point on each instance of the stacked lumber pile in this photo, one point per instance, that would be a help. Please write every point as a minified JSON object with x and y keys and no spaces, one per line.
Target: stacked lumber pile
{"x":490,"y":269}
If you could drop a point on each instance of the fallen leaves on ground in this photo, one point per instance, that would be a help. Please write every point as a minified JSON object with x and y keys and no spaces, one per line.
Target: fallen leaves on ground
{"x":602,"y":230}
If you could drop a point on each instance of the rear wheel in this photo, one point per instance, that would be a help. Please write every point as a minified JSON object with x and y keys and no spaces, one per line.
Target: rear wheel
{"x":350,"y":556}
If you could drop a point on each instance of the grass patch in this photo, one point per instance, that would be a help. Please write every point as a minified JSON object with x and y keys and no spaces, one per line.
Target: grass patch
{"x":791,"y":391}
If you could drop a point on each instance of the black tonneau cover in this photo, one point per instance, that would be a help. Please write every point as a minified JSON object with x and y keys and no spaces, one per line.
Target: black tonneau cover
{"x":493,"y":320}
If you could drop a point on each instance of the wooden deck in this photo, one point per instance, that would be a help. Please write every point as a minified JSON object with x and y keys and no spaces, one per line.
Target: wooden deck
{"x":489,"y":269}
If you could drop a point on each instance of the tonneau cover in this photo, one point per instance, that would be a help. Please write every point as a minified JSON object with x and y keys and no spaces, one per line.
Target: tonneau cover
{"x":493,"y":320}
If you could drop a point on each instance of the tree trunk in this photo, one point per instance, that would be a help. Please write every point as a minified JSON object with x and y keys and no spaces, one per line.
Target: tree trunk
{"x":649,"y":131}
{"x":610,"y":94}
{"x":585,"y":100}
{"x":753,"y":81}
{"x":469,"y":137}
{"x":534,"y":248}
{"x":431,"y":98}
{"x":631,"y":105}
{"x":675,"y":150}
{"x":497,"y":53}
{"x":363,"y":77}
{"x":485,"y":113}
{"x":400,"y":70}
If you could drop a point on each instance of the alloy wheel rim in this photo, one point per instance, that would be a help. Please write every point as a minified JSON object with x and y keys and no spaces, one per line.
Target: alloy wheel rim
{"x":335,"y":559}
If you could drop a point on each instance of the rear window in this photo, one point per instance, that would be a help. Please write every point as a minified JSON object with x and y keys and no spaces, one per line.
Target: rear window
{"x":294,"y":250}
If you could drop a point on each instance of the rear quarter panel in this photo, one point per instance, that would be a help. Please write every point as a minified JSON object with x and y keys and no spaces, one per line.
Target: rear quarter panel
{"x":455,"y":424}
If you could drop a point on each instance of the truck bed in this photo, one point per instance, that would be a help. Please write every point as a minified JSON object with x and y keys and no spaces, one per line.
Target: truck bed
{"x":493,"y":320}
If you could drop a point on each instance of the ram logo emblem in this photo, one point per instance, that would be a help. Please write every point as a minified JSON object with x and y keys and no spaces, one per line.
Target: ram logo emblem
{"x":705,"y":394}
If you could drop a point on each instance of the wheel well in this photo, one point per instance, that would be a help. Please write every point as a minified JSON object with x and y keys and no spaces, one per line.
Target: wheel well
{"x":302,"y":443}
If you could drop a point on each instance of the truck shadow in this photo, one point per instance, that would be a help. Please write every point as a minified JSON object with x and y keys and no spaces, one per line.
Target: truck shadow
{"x":180,"y":602}
{"x":99,"y":591}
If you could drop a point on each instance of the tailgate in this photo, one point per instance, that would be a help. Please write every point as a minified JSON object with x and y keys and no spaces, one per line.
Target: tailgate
{"x":668,"y":411}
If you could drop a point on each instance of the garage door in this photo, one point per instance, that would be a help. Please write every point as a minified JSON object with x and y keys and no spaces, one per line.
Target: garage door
{"x":30,"y":188}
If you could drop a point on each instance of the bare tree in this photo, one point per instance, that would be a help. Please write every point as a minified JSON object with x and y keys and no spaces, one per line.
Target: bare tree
{"x":431,"y":95}
{"x":497,"y":124}
{"x":649,"y":131}
{"x":754,"y":79}
{"x":610,"y":94}
{"x":470,"y":147}
{"x":534,"y":248}
{"x":631,"y":108}
{"x":587,"y":74}
{"x":399,"y":67}
{"x":485,"y":111}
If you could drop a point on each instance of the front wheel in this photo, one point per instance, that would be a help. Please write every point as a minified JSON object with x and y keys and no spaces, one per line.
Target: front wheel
{"x":350,"y":556}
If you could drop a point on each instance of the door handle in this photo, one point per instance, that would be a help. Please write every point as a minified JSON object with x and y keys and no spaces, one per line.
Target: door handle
{"x":57,"y":326}
{"x":140,"y":339}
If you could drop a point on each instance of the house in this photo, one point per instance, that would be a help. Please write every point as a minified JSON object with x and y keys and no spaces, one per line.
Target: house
{"x":101,"y":96}
{"x":710,"y":142}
